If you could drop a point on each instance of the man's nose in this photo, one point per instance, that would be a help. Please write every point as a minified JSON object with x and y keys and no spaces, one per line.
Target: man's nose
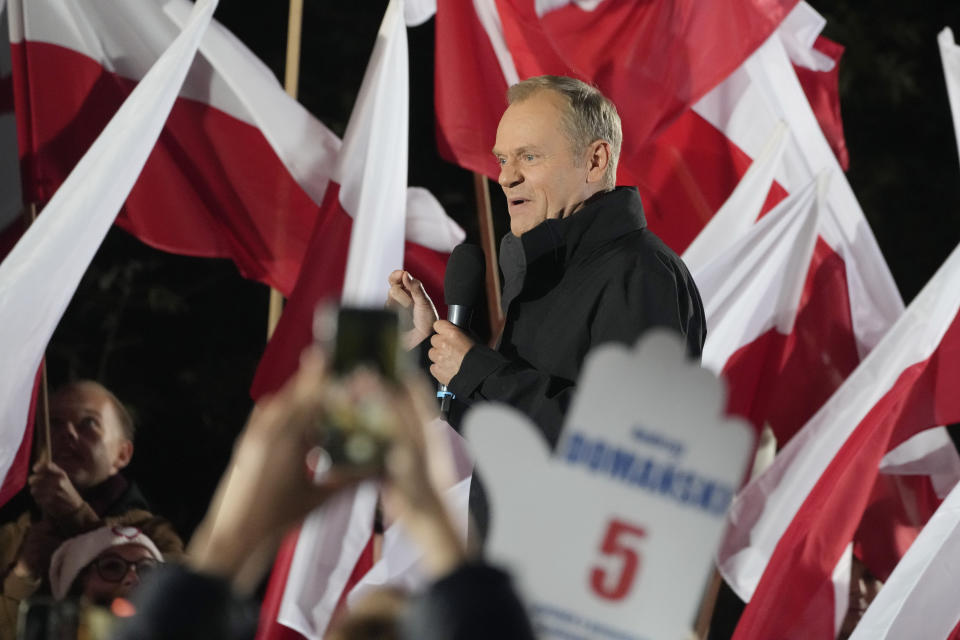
{"x":67,"y":430}
{"x":509,"y":176}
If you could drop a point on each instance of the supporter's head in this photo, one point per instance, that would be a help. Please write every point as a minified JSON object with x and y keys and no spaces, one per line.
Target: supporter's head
{"x":864,"y":587}
{"x":557,"y":144}
{"x":103,"y":564}
{"x":91,"y":433}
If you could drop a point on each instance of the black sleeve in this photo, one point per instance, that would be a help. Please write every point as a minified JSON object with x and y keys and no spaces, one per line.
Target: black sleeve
{"x":476,"y":601}
{"x":486,"y":375}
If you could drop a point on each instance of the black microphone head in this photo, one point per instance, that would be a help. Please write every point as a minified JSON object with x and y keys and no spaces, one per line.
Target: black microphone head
{"x":464,"y":279}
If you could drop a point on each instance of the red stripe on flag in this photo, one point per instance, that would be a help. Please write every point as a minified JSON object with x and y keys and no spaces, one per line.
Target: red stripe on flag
{"x":899,"y":508}
{"x":321,"y":279}
{"x":212,"y":186}
{"x":268,"y":627}
{"x":783,"y":380}
{"x":822,"y":89}
{"x":469,"y":89}
{"x":923,"y":396}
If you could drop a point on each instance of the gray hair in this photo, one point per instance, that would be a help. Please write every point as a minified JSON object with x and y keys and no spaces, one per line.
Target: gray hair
{"x":589,"y":116}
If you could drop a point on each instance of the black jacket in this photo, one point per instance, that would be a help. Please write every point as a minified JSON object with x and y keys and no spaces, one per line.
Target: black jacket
{"x":569,"y":285}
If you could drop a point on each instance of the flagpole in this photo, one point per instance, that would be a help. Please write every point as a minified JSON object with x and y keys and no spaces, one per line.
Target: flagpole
{"x":46,"y":451}
{"x":290,"y":81}
{"x":487,"y":236}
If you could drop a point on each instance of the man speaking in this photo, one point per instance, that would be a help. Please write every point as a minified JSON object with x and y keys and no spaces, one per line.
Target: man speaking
{"x":580,"y":267}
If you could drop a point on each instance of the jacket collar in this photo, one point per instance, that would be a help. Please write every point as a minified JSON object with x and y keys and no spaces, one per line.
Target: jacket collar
{"x":603,"y":218}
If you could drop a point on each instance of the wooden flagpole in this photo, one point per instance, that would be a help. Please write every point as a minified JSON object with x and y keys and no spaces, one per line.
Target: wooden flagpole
{"x":488,"y":243}
{"x":290,"y":84}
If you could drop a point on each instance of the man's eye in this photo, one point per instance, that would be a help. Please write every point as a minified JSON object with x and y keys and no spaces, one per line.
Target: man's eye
{"x":87,"y":422}
{"x":529,"y":157}
{"x":501,"y":161}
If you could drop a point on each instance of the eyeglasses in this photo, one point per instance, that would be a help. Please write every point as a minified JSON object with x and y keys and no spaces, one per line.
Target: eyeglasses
{"x":114,"y":568}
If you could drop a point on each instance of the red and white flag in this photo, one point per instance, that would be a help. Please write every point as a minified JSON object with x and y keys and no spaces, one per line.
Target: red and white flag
{"x":40,"y":274}
{"x":919,"y":594}
{"x":241,"y":168}
{"x":794,"y":521}
{"x":231,"y":175}
{"x":849,"y":298}
{"x":654,"y":59}
{"x":356,"y":243}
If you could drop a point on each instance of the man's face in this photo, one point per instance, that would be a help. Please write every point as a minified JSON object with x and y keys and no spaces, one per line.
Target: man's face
{"x":86,"y":435}
{"x":539,"y":173}
{"x":115,"y":578}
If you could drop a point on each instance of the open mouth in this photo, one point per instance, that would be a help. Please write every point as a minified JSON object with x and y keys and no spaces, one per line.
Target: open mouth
{"x":516,"y":201}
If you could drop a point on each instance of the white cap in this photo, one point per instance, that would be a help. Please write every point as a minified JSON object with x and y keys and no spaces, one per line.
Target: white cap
{"x":76,"y":553}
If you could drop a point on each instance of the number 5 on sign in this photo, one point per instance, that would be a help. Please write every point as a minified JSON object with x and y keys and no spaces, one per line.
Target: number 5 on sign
{"x":620,"y":541}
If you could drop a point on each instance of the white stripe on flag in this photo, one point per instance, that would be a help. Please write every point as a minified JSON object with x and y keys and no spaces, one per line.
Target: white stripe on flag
{"x":756,"y":284}
{"x":950,"y":55}
{"x":735,"y":218}
{"x":41,"y":273}
{"x":372,"y":172}
{"x":372,"y":166}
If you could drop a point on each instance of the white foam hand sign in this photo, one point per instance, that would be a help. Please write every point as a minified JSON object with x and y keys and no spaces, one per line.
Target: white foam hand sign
{"x":613,"y":534}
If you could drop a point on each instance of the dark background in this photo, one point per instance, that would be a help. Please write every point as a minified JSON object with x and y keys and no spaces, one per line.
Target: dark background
{"x":178,"y":338}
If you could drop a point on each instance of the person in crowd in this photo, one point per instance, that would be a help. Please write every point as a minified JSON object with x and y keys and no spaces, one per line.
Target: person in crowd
{"x":270,"y":484}
{"x":80,"y":489}
{"x":580,"y":267}
{"x":102,"y":565}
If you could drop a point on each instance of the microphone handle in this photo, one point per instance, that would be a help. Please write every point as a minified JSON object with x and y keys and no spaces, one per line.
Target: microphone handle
{"x":459,"y":315}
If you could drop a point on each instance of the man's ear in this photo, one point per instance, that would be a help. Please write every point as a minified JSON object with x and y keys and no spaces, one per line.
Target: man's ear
{"x":124,"y":455}
{"x":598,"y":159}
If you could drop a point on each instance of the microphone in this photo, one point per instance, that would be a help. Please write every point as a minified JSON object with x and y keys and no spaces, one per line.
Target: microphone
{"x":462,"y":288}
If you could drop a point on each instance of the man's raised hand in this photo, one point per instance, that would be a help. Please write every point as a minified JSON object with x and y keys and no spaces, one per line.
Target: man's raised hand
{"x":417,"y":313}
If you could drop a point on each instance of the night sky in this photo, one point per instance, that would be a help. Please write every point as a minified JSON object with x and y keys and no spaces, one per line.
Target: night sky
{"x":179,"y":338}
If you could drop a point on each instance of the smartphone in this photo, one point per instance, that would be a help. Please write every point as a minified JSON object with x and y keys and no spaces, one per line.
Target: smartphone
{"x":353,"y":431}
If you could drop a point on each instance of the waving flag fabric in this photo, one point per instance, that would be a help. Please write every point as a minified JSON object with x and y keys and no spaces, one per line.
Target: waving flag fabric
{"x":39,"y":276}
{"x":241,"y":168}
{"x":808,"y":503}
{"x":356,"y":243}
{"x":654,"y":59}
{"x":919,"y":593}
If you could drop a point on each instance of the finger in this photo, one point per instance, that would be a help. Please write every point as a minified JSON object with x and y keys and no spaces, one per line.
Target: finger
{"x":434,"y":355}
{"x":415,"y":287}
{"x":445,"y":327}
{"x":396,"y":295}
{"x":396,"y":277}
{"x":436,"y":340}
